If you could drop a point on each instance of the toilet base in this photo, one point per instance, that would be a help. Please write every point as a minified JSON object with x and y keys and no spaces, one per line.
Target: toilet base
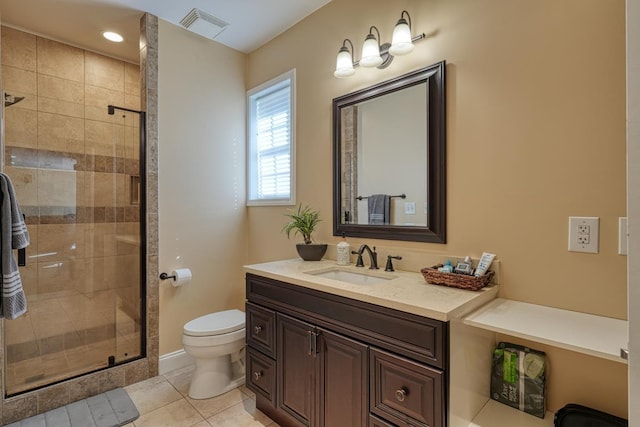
{"x":213,"y":377}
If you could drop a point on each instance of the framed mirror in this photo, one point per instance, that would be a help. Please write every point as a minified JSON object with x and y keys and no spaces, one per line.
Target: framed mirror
{"x":389,"y":159}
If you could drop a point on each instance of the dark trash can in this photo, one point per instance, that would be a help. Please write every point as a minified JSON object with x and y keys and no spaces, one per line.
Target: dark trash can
{"x":574,"y":415}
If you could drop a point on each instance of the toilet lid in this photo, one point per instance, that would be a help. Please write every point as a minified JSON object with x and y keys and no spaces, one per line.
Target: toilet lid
{"x":218,"y":323}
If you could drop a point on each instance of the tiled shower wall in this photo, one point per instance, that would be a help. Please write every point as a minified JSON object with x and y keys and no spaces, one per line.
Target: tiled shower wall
{"x":73,"y":88}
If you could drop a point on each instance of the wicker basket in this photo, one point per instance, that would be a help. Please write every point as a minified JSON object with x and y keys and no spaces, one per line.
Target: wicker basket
{"x":453,"y":280}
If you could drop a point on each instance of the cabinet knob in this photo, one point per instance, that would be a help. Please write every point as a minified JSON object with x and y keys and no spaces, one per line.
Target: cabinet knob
{"x":257,"y":375}
{"x":401,"y":394}
{"x":257,"y":329}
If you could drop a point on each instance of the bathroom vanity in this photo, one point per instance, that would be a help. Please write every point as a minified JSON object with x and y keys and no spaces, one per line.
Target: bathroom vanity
{"x":346,"y":346}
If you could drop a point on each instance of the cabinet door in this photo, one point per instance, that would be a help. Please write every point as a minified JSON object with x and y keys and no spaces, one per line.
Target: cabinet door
{"x":343,"y":380}
{"x":296,"y":369}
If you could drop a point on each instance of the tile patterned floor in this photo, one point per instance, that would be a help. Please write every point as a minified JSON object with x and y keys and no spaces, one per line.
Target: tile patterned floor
{"x":163,"y":402}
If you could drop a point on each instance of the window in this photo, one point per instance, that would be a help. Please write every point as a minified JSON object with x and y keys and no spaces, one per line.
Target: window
{"x":271,"y":142}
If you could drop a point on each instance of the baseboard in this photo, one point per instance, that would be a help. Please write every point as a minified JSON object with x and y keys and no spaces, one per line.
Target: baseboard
{"x":174,"y":360}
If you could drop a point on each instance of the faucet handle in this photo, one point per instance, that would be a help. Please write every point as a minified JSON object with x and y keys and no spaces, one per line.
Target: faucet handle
{"x":359,"y":262}
{"x":389,"y":266}
{"x":374,"y":259}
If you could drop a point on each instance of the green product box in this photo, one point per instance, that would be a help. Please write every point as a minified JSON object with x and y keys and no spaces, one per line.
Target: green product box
{"x":518,"y":378}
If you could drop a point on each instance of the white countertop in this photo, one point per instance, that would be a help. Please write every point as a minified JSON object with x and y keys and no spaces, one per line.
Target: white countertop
{"x":585,"y":333}
{"x":406,"y":291}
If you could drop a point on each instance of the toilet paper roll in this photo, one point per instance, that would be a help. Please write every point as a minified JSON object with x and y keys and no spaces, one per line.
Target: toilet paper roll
{"x":182,"y":276}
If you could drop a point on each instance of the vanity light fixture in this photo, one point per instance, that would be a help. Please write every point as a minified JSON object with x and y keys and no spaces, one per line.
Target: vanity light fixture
{"x":375,"y":54}
{"x":111,"y":36}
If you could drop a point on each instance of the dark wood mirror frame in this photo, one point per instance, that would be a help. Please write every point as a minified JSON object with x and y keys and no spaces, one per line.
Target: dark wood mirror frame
{"x":435,"y":232}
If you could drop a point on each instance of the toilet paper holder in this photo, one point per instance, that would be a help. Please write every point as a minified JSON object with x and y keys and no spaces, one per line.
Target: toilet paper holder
{"x":179,"y":276}
{"x":165,"y":276}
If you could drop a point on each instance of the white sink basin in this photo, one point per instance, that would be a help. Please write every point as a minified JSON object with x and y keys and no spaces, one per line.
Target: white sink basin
{"x":357,"y":278}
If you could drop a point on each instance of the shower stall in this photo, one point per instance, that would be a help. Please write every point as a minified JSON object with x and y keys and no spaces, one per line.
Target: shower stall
{"x":79,"y":178}
{"x":82,"y":273}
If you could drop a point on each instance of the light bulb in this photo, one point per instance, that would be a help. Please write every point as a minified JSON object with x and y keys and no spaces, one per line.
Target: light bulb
{"x":370,"y":52}
{"x":344,"y":64}
{"x":401,"y":43}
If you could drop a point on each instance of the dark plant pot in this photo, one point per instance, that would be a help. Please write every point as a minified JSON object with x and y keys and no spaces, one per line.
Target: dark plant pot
{"x":311,"y":251}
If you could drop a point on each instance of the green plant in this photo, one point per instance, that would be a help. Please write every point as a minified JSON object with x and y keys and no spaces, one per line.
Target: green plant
{"x":303,"y":221}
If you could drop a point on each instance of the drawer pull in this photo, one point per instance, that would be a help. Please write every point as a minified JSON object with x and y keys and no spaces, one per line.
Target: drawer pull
{"x":257,"y":329}
{"x":257,"y":375}
{"x":401,"y":394}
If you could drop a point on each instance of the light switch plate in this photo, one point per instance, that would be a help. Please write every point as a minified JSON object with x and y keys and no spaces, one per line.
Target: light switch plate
{"x":584,"y":234}
{"x":410,"y":208}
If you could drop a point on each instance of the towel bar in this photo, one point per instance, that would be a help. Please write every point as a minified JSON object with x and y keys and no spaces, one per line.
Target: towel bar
{"x":402,"y":196}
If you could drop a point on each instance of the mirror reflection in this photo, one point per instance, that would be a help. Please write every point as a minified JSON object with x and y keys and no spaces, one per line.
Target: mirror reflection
{"x":389,"y":159}
{"x":372,"y":148}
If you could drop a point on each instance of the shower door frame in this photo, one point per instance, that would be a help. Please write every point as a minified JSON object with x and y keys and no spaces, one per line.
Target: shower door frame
{"x":142,"y":147}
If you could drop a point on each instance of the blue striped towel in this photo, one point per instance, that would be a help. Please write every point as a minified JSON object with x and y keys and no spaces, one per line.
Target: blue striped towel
{"x":13,"y":235}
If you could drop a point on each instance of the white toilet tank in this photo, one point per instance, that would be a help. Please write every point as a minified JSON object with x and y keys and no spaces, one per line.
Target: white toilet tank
{"x":222,"y":322}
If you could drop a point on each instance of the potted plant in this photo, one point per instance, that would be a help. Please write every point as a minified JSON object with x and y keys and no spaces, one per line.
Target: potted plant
{"x":303,"y":221}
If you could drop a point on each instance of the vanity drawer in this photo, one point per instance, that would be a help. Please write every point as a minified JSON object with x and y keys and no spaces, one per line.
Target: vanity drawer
{"x":377,"y":422}
{"x":405,"y":392}
{"x":261,"y":374}
{"x":261,"y":329}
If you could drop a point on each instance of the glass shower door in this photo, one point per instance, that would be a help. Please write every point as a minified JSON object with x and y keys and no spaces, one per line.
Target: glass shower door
{"x":127,"y":127}
{"x":83,"y":275}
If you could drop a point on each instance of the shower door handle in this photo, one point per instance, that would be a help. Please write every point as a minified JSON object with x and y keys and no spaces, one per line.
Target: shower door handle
{"x":22,"y":253}
{"x":22,"y":257}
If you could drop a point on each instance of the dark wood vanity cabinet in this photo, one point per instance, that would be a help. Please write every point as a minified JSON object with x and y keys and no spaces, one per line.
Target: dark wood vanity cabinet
{"x":317,"y":359}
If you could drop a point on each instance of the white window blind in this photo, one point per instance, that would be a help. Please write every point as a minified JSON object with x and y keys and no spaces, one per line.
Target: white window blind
{"x":270,"y":152}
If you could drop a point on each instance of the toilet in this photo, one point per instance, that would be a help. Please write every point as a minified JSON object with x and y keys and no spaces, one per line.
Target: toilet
{"x":216,"y":342}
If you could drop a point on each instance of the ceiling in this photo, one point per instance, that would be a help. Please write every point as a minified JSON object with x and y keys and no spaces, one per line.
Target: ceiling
{"x":81,"y":22}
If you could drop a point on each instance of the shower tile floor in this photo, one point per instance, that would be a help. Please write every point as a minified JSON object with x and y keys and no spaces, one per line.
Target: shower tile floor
{"x":41,"y":349}
{"x":163,"y":401}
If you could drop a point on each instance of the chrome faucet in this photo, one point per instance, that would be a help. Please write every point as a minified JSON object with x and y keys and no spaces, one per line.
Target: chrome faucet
{"x":373,"y":256}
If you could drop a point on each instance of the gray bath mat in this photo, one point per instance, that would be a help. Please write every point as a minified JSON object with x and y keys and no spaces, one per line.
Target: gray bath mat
{"x":111,"y":409}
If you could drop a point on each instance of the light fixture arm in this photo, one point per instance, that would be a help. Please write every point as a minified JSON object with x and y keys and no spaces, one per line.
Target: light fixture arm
{"x":408,"y":17}
{"x":344,"y":46}
{"x":371,"y":33}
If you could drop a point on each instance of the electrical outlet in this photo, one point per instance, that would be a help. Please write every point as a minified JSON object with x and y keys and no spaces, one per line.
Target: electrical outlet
{"x":583,"y":234}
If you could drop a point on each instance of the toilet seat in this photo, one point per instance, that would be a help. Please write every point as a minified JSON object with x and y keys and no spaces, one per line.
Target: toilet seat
{"x":222,"y":322}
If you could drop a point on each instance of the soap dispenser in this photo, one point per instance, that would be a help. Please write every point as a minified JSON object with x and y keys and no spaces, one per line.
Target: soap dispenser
{"x":343,"y":250}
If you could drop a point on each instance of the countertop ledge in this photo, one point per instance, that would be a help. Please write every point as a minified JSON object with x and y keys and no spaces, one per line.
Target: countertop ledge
{"x":406,"y":291}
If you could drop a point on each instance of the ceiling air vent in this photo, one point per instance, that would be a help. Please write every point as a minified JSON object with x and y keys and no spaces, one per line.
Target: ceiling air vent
{"x":204,"y":24}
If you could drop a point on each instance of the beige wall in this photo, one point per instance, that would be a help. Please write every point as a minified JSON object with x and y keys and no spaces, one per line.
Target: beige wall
{"x":201,"y":178}
{"x":535,"y":133}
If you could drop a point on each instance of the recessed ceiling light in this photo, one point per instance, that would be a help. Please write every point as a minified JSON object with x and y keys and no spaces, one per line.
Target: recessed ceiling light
{"x":114,"y":37}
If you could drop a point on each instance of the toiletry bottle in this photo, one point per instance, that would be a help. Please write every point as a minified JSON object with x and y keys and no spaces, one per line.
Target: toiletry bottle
{"x":484,"y":264}
{"x":446,"y":268}
{"x":344,"y":251}
{"x":464,"y":267}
